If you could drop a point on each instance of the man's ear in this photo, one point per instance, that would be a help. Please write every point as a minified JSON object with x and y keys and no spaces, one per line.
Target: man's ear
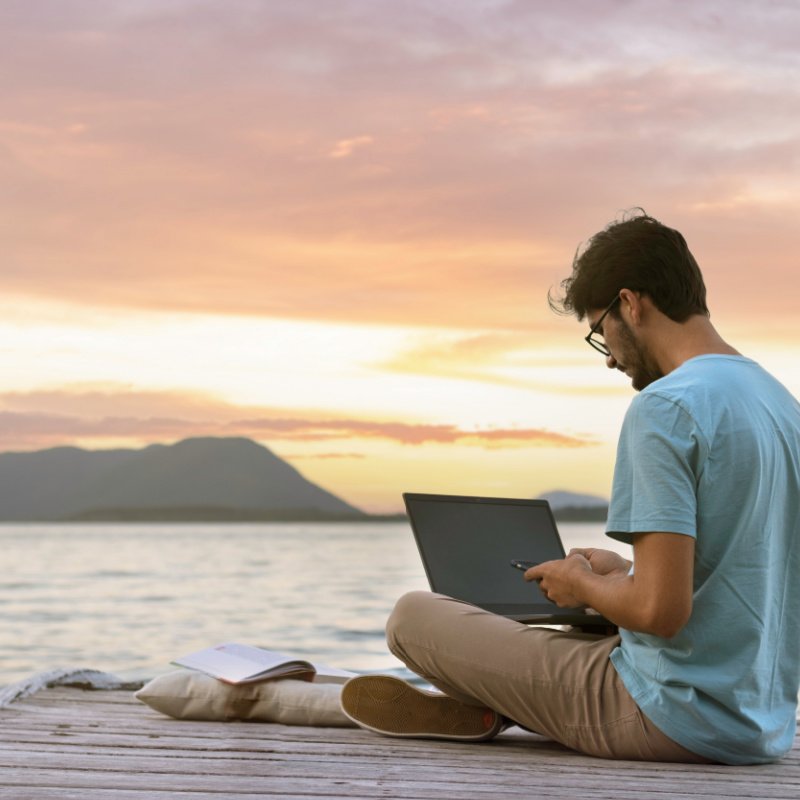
{"x":631,"y":302}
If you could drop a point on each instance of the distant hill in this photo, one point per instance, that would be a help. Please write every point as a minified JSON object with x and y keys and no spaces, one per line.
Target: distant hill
{"x":203,"y":478}
{"x":563,"y":499}
{"x":575,"y":507}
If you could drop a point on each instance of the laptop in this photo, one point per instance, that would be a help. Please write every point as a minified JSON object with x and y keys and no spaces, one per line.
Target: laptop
{"x":467,"y":545}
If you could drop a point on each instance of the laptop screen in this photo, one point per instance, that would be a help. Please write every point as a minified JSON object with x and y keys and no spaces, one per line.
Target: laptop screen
{"x":466,"y":544}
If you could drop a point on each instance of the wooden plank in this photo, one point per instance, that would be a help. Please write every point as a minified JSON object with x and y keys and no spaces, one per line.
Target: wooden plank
{"x":68,"y":743}
{"x":49,"y":793}
{"x":505,"y":752}
{"x":378,"y":783}
{"x":466,"y":775}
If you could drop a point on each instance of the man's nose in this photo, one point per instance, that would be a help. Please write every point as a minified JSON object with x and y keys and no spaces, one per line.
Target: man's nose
{"x":611,"y":362}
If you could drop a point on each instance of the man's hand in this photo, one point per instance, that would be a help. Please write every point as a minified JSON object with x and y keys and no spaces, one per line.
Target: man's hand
{"x":557,"y":579}
{"x":656,"y":599}
{"x":603,"y":562}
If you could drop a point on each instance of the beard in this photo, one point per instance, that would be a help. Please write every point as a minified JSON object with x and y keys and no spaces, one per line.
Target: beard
{"x":636,"y":361}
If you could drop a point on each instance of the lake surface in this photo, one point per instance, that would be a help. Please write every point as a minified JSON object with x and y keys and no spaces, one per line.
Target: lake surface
{"x":127,"y":599}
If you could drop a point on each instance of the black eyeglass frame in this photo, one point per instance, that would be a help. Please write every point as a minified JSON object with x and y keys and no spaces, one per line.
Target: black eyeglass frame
{"x":601,"y":347}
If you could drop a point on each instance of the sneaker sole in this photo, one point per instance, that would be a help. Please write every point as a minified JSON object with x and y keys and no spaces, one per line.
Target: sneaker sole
{"x":392,"y":707}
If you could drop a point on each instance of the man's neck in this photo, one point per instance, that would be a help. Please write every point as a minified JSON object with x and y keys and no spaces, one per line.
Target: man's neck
{"x":674,"y":343}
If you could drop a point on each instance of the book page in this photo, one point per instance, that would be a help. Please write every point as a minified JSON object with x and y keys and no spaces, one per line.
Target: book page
{"x":327,"y":674}
{"x":236,"y":663}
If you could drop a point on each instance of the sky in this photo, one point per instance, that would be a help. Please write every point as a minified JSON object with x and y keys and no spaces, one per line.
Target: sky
{"x":332,"y":227}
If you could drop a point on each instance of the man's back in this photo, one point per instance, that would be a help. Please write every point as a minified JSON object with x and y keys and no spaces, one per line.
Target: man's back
{"x":712,"y":451}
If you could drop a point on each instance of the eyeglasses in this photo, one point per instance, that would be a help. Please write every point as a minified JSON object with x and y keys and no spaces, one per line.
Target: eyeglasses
{"x":594,"y":338}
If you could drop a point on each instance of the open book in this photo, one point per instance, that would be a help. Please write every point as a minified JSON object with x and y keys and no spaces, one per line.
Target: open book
{"x":241,"y":663}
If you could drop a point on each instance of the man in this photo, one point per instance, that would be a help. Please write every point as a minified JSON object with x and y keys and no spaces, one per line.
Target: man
{"x":706,"y":666}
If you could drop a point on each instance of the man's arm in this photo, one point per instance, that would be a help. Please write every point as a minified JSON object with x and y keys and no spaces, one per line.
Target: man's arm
{"x":656,"y":599}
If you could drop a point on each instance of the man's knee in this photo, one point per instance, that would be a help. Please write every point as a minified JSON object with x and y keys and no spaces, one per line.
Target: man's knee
{"x":407,"y":612}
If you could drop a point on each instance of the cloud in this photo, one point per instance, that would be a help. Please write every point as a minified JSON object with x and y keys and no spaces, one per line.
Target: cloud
{"x":27,"y":427}
{"x":230,"y":169}
{"x":32,"y":427}
{"x":346,"y":147}
{"x":404,"y":433}
{"x":89,"y":401}
{"x":504,"y":358}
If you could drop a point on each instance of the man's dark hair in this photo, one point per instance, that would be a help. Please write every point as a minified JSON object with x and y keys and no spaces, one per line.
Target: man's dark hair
{"x":640,"y":254}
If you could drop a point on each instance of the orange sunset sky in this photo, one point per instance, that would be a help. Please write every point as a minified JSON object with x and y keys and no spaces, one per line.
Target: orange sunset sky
{"x":331,"y":226}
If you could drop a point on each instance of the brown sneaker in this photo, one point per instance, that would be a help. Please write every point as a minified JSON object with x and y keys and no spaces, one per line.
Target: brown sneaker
{"x":390,"y":706}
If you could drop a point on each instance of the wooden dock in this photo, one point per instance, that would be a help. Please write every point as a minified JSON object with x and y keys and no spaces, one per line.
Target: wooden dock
{"x":69,"y":743}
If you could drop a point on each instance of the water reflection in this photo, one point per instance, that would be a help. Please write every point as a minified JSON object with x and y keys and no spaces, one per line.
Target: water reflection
{"x":128,"y":598}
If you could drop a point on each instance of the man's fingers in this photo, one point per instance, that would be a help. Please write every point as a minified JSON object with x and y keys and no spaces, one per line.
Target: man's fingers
{"x":539,"y":571}
{"x":534,"y":573}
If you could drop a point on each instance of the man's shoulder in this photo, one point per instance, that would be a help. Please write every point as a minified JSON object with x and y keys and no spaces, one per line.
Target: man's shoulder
{"x":717,"y":393}
{"x":708,"y":370}
{"x":691,"y":398}
{"x":702,"y":379}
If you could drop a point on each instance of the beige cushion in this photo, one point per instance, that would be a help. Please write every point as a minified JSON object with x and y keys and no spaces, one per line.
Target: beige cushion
{"x":188,"y":694}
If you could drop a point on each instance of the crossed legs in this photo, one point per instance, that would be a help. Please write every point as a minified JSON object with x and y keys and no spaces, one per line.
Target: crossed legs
{"x":562,"y":685}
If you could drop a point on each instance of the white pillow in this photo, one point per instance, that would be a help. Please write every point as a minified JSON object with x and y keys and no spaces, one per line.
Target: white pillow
{"x":188,"y":694}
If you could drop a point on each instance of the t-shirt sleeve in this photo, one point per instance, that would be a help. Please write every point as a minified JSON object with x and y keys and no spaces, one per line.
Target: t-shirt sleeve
{"x":660,"y":457}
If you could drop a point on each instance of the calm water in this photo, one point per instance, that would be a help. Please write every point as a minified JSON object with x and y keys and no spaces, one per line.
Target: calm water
{"x":127,"y":599}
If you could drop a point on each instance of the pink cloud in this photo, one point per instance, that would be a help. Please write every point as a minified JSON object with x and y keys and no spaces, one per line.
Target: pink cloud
{"x":346,"y":147}
{"x":27,"y":427}
{"x":403,"y":433}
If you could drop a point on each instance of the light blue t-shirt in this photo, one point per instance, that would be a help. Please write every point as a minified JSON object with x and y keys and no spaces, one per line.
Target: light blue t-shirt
{"x":712,"y":451}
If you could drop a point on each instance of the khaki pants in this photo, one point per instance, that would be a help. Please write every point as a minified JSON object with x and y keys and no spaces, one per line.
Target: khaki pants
{"x":560,"y":684}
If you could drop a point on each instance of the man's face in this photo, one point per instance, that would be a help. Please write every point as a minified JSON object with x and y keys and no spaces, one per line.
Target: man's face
{"x":632,"y":357}
{"x":628,"y":354}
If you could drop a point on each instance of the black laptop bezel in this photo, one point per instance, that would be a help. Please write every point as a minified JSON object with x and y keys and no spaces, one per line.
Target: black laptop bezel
{"x":552,"y":615}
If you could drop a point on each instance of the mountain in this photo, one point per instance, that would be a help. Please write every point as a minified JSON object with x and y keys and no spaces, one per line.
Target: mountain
{"x":197,"y":478}
{"x":560,"y":498}
{"x":574,"y":507}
